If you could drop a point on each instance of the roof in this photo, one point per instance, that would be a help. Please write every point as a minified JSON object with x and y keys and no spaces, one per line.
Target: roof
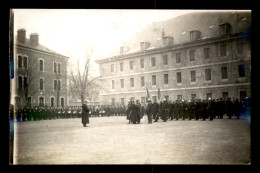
{"x":39,"y":47}
{"x":179,"y":28}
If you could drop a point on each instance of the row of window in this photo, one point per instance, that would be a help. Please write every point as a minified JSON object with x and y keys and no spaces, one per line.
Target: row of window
{"x":165,"y":58}
{"x":23,"y":63}
{"x":23,"y":82}
{"x":42,"y":101}
{"x":243,"y":94}
{"x":178,"y":59}
{"x":224,"y":75}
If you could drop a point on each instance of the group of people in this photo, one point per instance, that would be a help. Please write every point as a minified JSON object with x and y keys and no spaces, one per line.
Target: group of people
{"x":188,"y":109}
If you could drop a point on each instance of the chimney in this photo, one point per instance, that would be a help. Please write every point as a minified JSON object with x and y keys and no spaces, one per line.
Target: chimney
{"x":124,"y":49}
{"x":21,"y":35}
{"x":144,"y":45}
{"x":34,"y":39}
{"x":167,"y":41}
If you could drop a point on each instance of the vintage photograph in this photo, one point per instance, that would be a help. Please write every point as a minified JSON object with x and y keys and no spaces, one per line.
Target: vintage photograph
{"x":114,"y":86}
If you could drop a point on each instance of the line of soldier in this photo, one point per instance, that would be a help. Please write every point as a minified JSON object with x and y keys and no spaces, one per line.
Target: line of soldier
{"x":28,"y":113}
{"x":197,"y":109}
{"x":191,"y":109}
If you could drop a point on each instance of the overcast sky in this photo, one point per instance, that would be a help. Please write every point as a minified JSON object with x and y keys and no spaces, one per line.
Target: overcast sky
{"x":73,"y":32}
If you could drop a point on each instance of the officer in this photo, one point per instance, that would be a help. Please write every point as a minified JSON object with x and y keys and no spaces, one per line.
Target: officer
{"x":209,"y":109}
{"x":155,"y":111}
{"x":149,"y":111}
{"x":170,"y":106}
{"x":229,"y":108}
{"x":165,"y":110}
{"x":139,"y":115}
{"x":128,"y":111}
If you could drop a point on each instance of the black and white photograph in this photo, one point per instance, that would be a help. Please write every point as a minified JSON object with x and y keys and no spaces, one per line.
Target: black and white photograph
{"x":129,"y":86}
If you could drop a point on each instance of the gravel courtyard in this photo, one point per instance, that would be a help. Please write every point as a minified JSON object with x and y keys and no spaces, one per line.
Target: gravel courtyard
{"x":111,"y":140}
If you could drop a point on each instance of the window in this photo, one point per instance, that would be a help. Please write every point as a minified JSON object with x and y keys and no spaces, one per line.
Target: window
{"x":121,"y":67}
{"x":240,"y":46}
{"x":113,"y":84}
{"x":52,"y":102}
{"x":25,"y":82}
{"x":165,"y":78}
{"x":131,"y":65}
{"x":179,"y":97}
{"x":112,"y":67}
{"x":178,"y":58}
{"x":122,"y":83}
{"x":206,"y":53}
{"x":153,"y":79}
{"x":192,"y":55}
{"x":224,"y":94}
{"x":224,"y":74}
{"x":20,"y":61}
{"x":207,"y":74}
{"x":55,"y":67}
{"x":59,"y":70}
{"x":41,"y":84}
{"x":154,"y":98}
{"x":142,"y":81}
{"x":62,"y":102}
{"x":20,"y":82}
{"x":55,"y":85}
{"x":165,"y":60}
{"x":41,"y":65}
{"x":122,"y":101}
{"x":141,"y":63}
{"x":113,"y":101}
{"x":193,"y":76}
{"x":153,"y":63}
{"x":178,"y":77}
{"x":224,"y":29}
{"x":241,"y":70}
{"x":29,"y":101}
{"x":41,"y":101}
{"x":25,"y":62}
{"x":193,"y":96}
{"x":208,"y":95}
{"x":222,"y":50}
{"x":194,"y":35}
{"x":59,"y":85}
{"x":142,"y":99}
{"x":132,"y":82}
{"x":242,"y":94}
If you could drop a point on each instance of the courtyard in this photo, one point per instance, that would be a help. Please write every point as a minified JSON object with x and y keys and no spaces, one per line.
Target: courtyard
{"x":111,"y":140}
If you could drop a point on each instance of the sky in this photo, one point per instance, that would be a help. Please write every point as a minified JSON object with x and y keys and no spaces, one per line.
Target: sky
{"x":74,"y":32}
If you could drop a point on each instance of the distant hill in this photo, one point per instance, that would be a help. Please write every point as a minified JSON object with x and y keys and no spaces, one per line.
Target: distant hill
{"x":179,"y":28}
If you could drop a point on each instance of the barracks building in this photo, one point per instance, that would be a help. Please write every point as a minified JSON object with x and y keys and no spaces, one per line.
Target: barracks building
{"x":193,"y":56}
{"x":40,"y":74}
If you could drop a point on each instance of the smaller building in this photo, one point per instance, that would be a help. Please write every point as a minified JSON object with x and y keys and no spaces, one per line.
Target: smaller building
{"x":40,"y":74}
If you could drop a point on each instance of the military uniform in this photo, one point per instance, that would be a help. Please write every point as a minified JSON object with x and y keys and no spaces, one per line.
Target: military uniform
{"x":149,"y":111}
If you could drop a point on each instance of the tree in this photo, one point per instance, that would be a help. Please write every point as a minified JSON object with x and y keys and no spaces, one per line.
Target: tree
{"x":81,"y":80}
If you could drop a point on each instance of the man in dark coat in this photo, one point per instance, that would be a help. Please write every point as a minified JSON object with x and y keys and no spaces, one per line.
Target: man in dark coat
{"x":155,"y":111}
{"x":149,"y":111}
{"x":85,"y":115}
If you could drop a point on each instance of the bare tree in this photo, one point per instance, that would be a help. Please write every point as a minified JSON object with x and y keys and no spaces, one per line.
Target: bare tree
{"x":81,"y":81}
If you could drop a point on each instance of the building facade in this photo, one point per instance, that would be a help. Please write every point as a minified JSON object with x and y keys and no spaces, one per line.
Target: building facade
{"x":40,"y":74}
{"x":205,"y":64}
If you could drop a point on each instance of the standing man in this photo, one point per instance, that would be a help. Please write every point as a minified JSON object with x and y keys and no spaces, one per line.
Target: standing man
{"x":85,"y":115}
{"x":149,"y":111}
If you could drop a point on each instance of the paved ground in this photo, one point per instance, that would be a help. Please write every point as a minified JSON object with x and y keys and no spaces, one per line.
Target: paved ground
{"x":111,"y":140}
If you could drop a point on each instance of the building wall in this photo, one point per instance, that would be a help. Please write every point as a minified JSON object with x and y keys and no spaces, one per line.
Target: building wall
{"x":48,"y":75}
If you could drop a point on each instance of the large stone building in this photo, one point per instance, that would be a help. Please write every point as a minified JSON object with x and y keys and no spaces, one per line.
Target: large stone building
{"x":194,"y":56}
{"x":40,"y":74}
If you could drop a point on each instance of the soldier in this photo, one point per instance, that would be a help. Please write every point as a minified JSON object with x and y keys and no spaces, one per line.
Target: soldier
{"x":155,"y":111}
{"x":229,"y":108}
{"x":139,"y":116}
{"x":209,"y":110}
{"x":170,"y":106}
{"x":149,"y":110}
{"x":165,"y":110}
{"x":85,"y":115}
{"x":128,"y":111}
{"x":134,"y":113}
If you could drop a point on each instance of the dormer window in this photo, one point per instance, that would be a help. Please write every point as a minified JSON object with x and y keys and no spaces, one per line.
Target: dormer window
{"x":224,"y":29}
{"x":195,"y":35}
